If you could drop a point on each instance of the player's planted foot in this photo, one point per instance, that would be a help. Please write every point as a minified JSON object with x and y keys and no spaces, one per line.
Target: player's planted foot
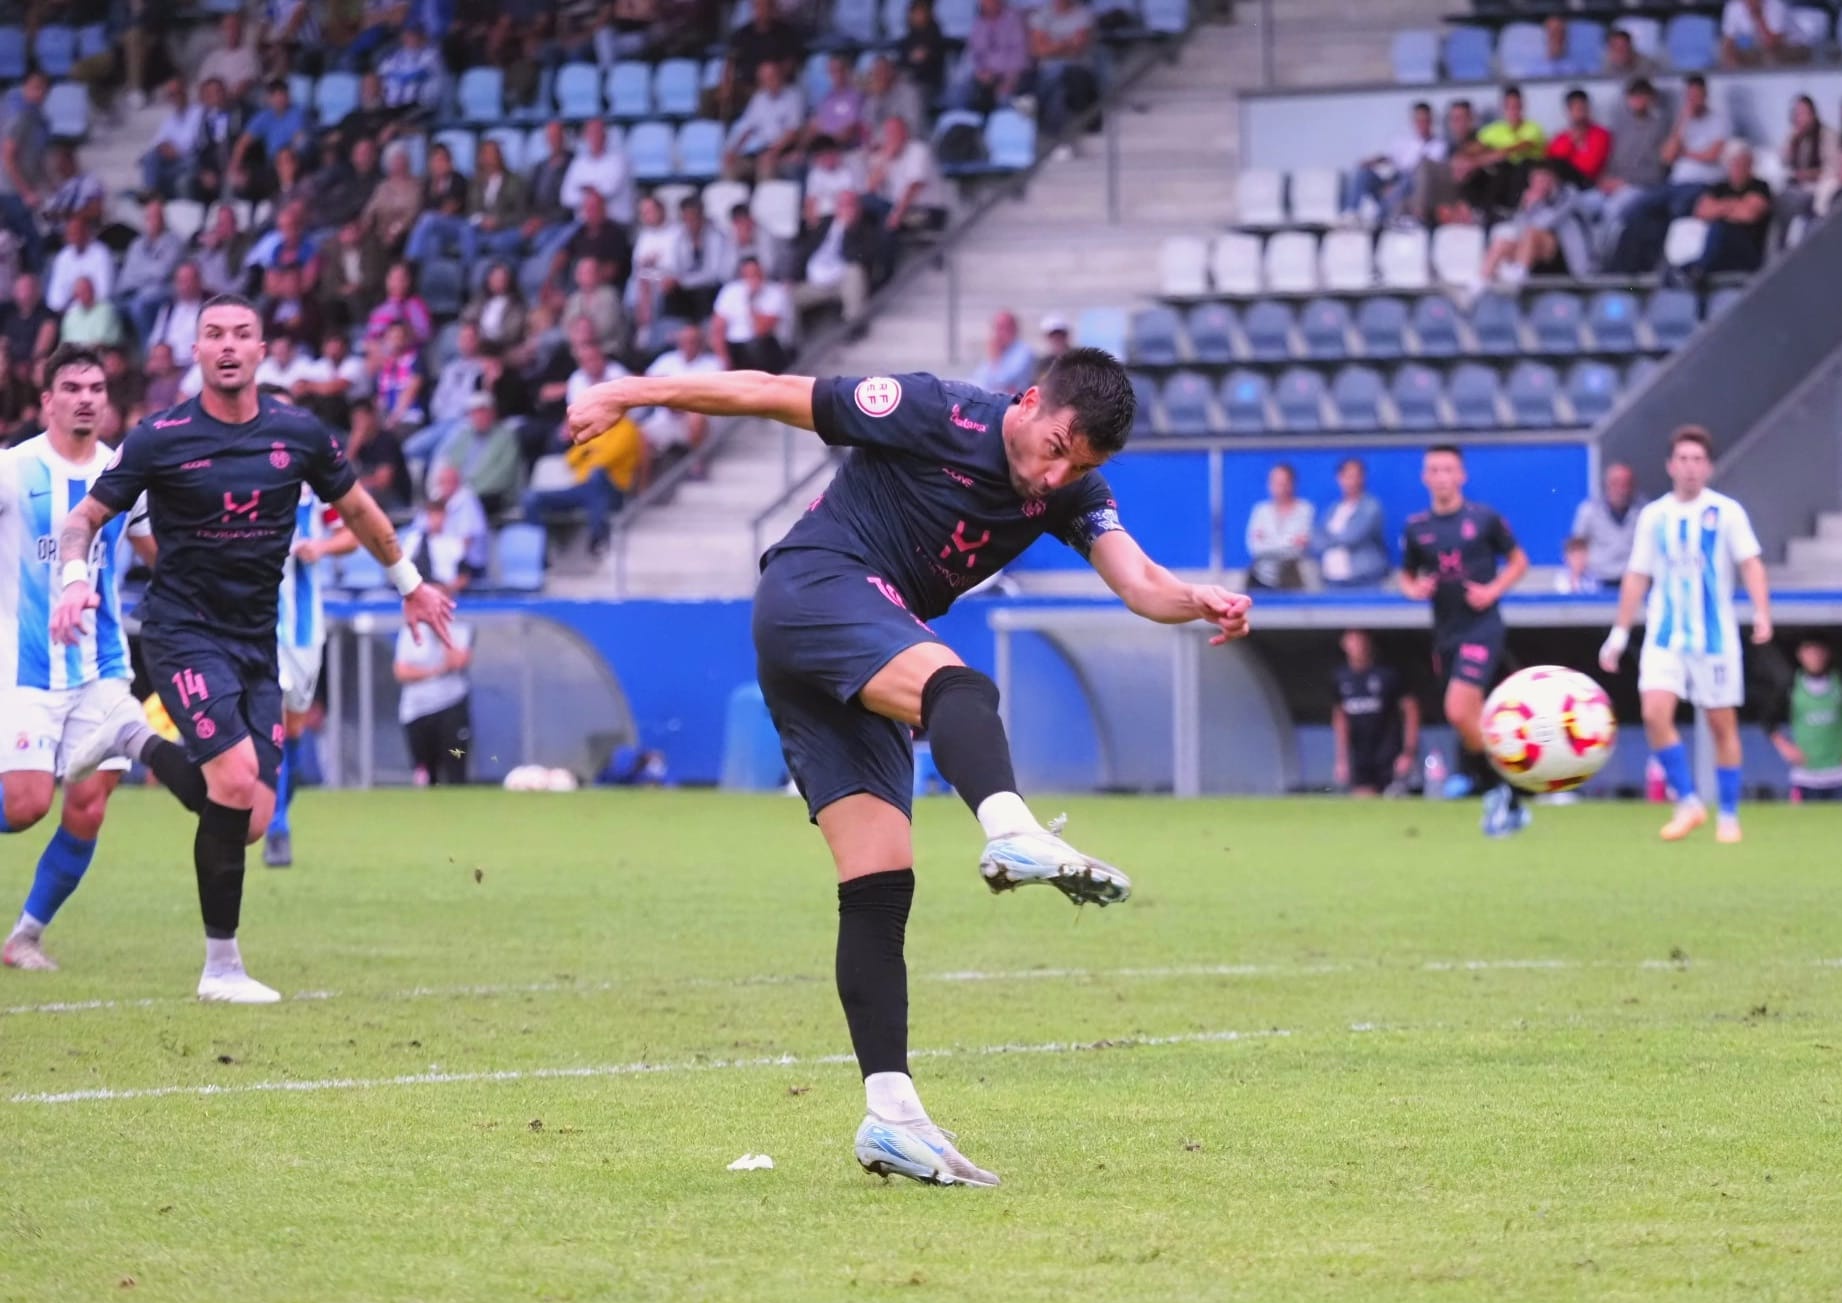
{"x":1727,"y":831}
{"x":1504,"y":814}
{"x":123,"y":732}
{"x":278,"y":850}
{"x":1039,"y":855}
{"x":235,"y":987}
{"x":27,"y":954}
{"x":920,"y":1151}
{"x":1689,"y":816}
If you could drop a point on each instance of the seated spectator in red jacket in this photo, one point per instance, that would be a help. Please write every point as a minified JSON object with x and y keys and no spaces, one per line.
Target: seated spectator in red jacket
{"x":1584,"y":146}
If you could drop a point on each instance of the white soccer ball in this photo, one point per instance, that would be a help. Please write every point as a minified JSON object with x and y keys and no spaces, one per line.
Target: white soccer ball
{"x":1549,"y":728}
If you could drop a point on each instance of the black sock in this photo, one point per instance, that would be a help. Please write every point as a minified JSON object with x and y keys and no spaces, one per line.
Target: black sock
{"x":178,"y":775}
{"x":872,"y":975}
{"x":217,"y":855}
{"x":959,"y":710}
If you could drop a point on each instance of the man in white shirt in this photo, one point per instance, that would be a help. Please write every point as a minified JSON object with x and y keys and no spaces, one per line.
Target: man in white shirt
{"x":233,"y":63}
{"x":166,"y":166}
{"x":334,"y":380}
{"x":81,"y":257}
{"x":833,"y":171}
{"x":593,"y":367}
{"x":1380,"y":183}
{"x":1759,"y":31}
{"x":1688,"y":546}
{"x":285,"y":366}
{"x":745,"y":325}
{"x":905,"y":181}
{"x":701,"y":259}
{"x":663,"y":428}
{"x":840,"y":259}
{"x":603,"y":168}
{"x":768,"y":127}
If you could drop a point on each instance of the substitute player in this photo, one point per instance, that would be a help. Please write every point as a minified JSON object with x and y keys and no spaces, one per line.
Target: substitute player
{"x":50,"y":696}
{"x":223,"y":474}
{"x":1687,"y":547}
{"x":1463,"y":556}
{"x":945,"y":486}
{"x":1375,"y":722}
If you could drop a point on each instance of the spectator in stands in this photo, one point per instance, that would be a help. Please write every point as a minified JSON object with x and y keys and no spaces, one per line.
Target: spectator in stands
{"x":220,"y":126}
{"x":839,"y":112}
{"x":765,"y":39}
{"x":288,"y":245}
{"x":232,"y":63}
{"x":889,"y":95}
{"x":1379,"y":185}
{"x":398,"y":380}
{"x":1809,"y":156}
{"x":1508,"y":146}
{"x":498,"y":310}
{"x":282,"y":124}
{"x":1635,"y":165}
{"x":18,"y":401}
{"x":831,"y":171}
{"x":601,"y":167}
{"x":1738,"y":211}
{"x":393,"y":208}
{"x":671,"y":435}
{"x":1608,"y":523}
{"x":1435,"y":190}
{"x":412,"y":73}
{"x":1375,"y":723}
{"x":595,"y":301}
{"x":1623,"y":60}
{"x":769,"y":128}
{"x":654,"y":248}
{"x":1058,"y":338}
{"x":603,"y":479}
{"x":1759,"y":31}
{"x":905,"y":193}
{"x":291,"y":29}
{"x":1575,"y":578}
{"x":461,"y":377}
{"x":378,"y":457}
{"x":590,"y":367}
{"x":162,"y":389}
{"x":166,"y":168}
{"x":997,"y":59}
{"x":29,"y":326}
{"x":442,"y":226}
{"x":598,"y":238}
{"x":434,"y":698}
{"x":701,"y":257}
{"x":89,"y":319}
{"x":546,"y":188}
{"x":349,"y":273}
{"x":924,"y":49}
{"x":292,"y":184}
{"x":1556,"y":59}
{"x":342,"y":190}
{"x":25,"y":135}
{"x":752,"y":240}
{"x":484,"y":452}
{"x":82,"y":257}
{"x":401,"y":306}
{"x":452,"y":522}
{"x":1279,"y":533}
{"x":286,"y":307}
{"x":148,"y":267}
{"x":496,"y":202}
{"x":1008,"y":365}
{"x":746,"y":322}
{"x":1062,"y":44}
{"x":284,"y":365}
{"x":75,"y":192}
{"x":838,"y":258}
{"x":1351,"y":542}
{"x":1581,"y":151}
{"x":1533,"y":243}
{"x":1693,"y":152}
{"x":175,"y":325}
{"x":375,"y":118}
{"x":332,"y":382}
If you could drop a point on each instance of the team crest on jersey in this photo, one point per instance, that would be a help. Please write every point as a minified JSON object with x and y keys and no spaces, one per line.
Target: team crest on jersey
{"x":278,"y":456}
{"x":878,"y":396}
{"x":1468,"y":530}
{"x":1710,"y":519}
{"x":23,"y":742}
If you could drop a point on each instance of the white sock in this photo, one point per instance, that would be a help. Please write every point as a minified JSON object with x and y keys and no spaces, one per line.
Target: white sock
{"x":222,"y":957}
{"x":28,"y":927}
{"x":892,"y":1097}
{"x":1004,"y":813}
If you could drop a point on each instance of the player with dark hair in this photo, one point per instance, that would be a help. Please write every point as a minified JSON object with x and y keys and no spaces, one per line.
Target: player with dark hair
{"x":1375,"y":721}
{"x":1463,"y":556}
{"x":223,"y":474}
{"x":52,"y":696}
{"x":945,"y":485}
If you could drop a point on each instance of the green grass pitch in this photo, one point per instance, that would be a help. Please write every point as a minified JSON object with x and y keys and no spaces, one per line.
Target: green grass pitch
{"x":1328,"y":1051}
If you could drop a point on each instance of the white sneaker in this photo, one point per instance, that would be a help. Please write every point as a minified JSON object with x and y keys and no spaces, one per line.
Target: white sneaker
{"x":27,"y":954}
{"x":920,"y":1151}
{"x":235,"y":988}
{"x":123,"y":732}
{"x":1013,"y":860}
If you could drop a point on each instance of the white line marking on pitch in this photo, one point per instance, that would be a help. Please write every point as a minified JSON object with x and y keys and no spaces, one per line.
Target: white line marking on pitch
{"x":620,"y":1069}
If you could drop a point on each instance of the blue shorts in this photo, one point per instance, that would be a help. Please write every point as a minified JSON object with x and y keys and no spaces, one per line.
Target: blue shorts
{"x":218,"y":691}
{"x":824,"y":624}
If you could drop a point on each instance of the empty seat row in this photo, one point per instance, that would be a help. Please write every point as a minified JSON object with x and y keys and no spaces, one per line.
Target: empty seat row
{"x":1688,"y":42}
{"x":54,"y":49}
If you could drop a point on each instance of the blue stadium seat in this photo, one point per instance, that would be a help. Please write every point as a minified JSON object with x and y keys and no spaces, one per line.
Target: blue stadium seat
{"x":1673,"y":316}
{"x":12,"y":53}
{"x":334,"y":96}
{"x":300,"y":88}
{"x":1325,"y":325}
{"x":1155,"y":333}
{"x":1357,"y":394}
{"x":462,"y":145}
{"x":1211,"y":331}
{"x":700,"y":149}
{"x":1010,"y":140}
{"x":1416,"y":391}
{"x":539,"y":107}
{"x":1167,"y":17}
{"x":1416,"y":57}
{"x":1585,"y":43}
{"x":1104,"y":328}
{"x":1186,"y":402}
{"x":511,"y":144}
{"x":442,"y":284}
{"x":956,"y":18}
{"x":676,"y":87}
{"x":93,"y":41}
{"x":1522,"y":50}
{"x":856,"y":21}
{"x":1592,"y":387}
{"x":578,"y":92}
{"x":519,"y":553}
{"x":895,"y":19}
{"x":1532,"y":390}
{"x":1244,"y":396}
{"x":1473,"y":391}
{"x":67,"y":110}
{"x":481,"y":95}
{"x":1612,"y":317}
{"x":1268,"y":326}
{"x":815,"y":76}
{"x":1467,"y":54}
{"x":1144,"y":404}
{"x":1435,"y":324}
{"x":1300,"y":395}
{"x":649,"y":150}
{"x":1494,"y":320}
{"x":54,"y":50}
{"x":1382,"y":325}
{"x":1692,"y":42}
{"x":1555,"y":318}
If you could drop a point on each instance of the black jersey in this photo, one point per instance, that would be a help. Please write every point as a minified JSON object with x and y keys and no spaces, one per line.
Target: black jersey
{"x":1371,"y":702}
{"x":1460,"y":547}
{"x":925,"y":497}
{"x":221,"y":499}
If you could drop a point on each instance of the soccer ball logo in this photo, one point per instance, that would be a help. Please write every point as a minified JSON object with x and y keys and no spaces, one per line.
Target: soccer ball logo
{"x":1549,"y":729}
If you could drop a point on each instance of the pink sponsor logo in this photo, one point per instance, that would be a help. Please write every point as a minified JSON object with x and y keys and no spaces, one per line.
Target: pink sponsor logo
{"x":966,"y":545}
{"x":203,"y":463}
{"x":1473,"y":651}
{"x":966,"y":422}
{"x":167,"y":425}
{"x":1468,"y":530}
{"x":233,"y":508}
{"x":956,"y":476}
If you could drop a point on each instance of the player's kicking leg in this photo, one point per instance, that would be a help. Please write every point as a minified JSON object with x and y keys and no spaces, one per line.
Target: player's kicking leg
{"x":1504,"y":810}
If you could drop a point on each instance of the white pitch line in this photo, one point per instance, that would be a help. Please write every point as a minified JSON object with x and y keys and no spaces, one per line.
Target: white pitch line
{"x":106,"y":1094}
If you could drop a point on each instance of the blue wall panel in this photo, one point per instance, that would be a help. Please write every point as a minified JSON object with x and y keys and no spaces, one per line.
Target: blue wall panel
{"x":1164,"y":501}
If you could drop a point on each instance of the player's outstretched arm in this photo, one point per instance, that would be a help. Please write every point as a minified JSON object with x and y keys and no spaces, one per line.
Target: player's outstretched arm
{"x":76,"y":599}
{"x":787,"y":399}
{"x":1153,"y":593}
{"x":1631,"y":593}
{"x":423,"y":604}
{"x":1752,"y":574}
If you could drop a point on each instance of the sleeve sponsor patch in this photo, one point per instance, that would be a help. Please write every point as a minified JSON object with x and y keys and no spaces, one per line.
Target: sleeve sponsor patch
{"x":878,"y":396}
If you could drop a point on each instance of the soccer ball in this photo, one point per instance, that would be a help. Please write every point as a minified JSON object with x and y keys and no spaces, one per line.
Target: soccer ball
{"x":1548,"y":728}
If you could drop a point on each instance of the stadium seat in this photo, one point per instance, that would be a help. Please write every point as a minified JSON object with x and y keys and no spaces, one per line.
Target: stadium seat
{"x":1496,"y":324}
{"x":629,"y":90}
{"x":442,"y":284}
{"x":334,"y":96}
{"x":461,"y":145}
{"x":1612,"y":317}
{"x":1473,"y":391}
{"x":1812,"y":26}
{"x":1268,"y":327}
{"x":1692,"y":41}
{"x":1673,"y":316}
{"x":1357,"y":393}
{"x":1401,"y":260}
{"x":856,"y":21}
{"x":481,"y":95}
{"x":1646,"y":35}
{"x":1467,"y":54}
{"x":1346,"y":260}
{"x":1259,"y":198}
{"x":1592,"y":388}
{"x":1299,"y":397}
{"x":1104,"y":328}
{"x":1210,"y":327}
{"x":518,"y":552}
{"x":700,"y":149}
{"x":1167,"y":17}
{"x":1187,"y":404}
{"x":1585,"y":43}
{"x":578,"y":92}
{"x":300,"y":88}
{"x":1381,"y":323}
{"x":1234,"y":263}
{"x":1010,"y":140}
{"x":720,"y":197}
{"x":93,"y":41}
{"x":776,"y":205}
{"x":1532,"y":390}
{"x":649,"y":150}
{"x":956,"y":18}
{"x":1457,"y":254}
{"x":969,"y":163}
{"x":1325,"y":326}
{"x":1244,"y":396}
{"x":1722,"y":299}
{"x":1292,"y":262}
{"x":1522,"y":50}
{"x":815,"y":76}
{"x":1313,"y":196}
{"x":67,"y":110}
{"x":895,"y":19}
{"x":1144,"y":404}
{"x":1416,"y":57}
{"x":12,"y":53}
{"x":1183,"y":266}
{"x":1555,"y":318}
{"x":1416,"y":397}
{"x":1435,"y":325}
{"x":1688,"y":237}
{"x":184,"y":217}
{"x":510,"y":141}
{"x":676,"y":89}
{"x":672,"y":196}
{"x":1154,"y":337}
{"x":54,"y":50}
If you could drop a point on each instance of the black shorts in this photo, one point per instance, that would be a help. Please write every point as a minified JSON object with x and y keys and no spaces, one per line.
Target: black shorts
{"x":824,"y":624}
{"x":1469,"y":656}
{"x":439,"y":743}
{"x":218,"y":691}
{"x":1371,"y":771}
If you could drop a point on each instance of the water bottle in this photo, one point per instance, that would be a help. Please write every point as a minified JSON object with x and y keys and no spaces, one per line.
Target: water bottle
{"x":1435,"y":775}
{"x":1656,"y":789}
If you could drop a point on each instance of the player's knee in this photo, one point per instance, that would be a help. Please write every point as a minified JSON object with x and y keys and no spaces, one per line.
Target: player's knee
{"x":83,"y":812}
{"x":960,"y":682}
{"x":27,"y":800}
{"x":233,"y":781}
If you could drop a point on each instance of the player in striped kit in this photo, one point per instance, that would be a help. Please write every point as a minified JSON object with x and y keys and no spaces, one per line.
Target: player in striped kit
{"x":51,"y":695}
{"x":1687,"y":547}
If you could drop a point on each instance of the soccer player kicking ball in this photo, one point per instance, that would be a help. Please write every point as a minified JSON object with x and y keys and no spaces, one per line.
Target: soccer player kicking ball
{"x":50,"y":695}
{"x":945,"y":485}
{"x":1462,"y":555}
{"x":1684,"y":555}
{"x":223,"y":474}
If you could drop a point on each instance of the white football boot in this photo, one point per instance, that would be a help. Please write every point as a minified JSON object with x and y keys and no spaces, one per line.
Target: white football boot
{"x":920,"y":1151}
{"x":27,"y":954}
{"x":1017,"y":858}
{"x":235,"y":988}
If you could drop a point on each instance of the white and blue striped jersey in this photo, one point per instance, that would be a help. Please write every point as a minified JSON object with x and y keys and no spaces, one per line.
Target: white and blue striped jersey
{"x":37,"y":490}
{"x":301,"y":603}
{"x":1689,"y":550}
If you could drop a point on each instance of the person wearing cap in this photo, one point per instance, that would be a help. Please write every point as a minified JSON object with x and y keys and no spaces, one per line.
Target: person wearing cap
{"x":1057,"y":340}
{"x":485,"y":453}
{"x":1009,"y":364}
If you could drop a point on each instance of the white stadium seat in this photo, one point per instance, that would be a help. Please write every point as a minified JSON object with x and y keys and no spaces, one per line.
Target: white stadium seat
{"x":1345,"y":260}
{"x":1234,"y":264}
{"x":1458,"y":253}
{"x":1183,"y":265}
{"x":1314,"y":196}
{"x":1688,"y":238}
{"x":1259,"y":198}
{"x":1292,"y":262}
{"x":1401,"y":259}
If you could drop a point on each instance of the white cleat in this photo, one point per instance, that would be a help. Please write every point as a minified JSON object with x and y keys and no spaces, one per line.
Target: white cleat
{"x":920,"y":1151}
{"x":1018,"y":858}
{"x":235,"y":988}
{"x":123,"y":731}
{"x":27,"y":954}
